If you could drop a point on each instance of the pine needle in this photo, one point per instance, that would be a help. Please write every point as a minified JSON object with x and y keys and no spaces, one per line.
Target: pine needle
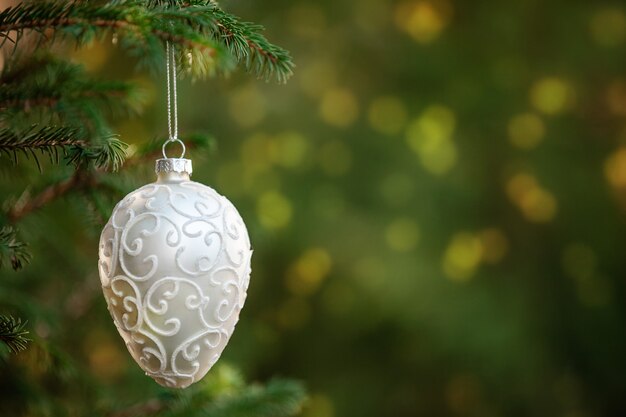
{"x":13,"y":333}
{"x":110,"y":153}
{"x":49,"y":90}
{"x":12,"y":249}
{"x":279,"y":398}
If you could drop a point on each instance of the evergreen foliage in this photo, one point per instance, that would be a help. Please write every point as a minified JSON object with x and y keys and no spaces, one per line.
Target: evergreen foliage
{"x":210,"y":39}
{"x":279,"y":398}
{"x":52,"y":107}
{"x":47,"y":90}
{"x":223,"y":393}
{"x":12,"y":249}
{"x":68,"y":141}
{"x":13,"y":333}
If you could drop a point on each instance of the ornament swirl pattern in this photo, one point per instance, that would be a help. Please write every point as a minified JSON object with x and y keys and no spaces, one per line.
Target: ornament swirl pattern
{"x":175,"y":267}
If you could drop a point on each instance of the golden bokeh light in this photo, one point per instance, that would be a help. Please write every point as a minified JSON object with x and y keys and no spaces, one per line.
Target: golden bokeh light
{"x":462,"y":256}
{"x":466,"y":251}
{"x":536,"y":204}
{"x":495,"y":245}
{"x":402,"y":234}
{"x":305,"y":274}
{"x":339,"y":107}
{"x":319,"y":405}
{"x":274,"y":210}
{"x":430,"y":137}
{"x":289,"y":149}
{"x":463,"y":394}
{"x":526,"y":130}
{"x":608,"y":27}
{"x":105,"y":357}
{"x":438,"y":122}
{"x":616,"y":97}
{"x":552,"y":95}
{"x":387,"y":115}
{"x":615,"y":168}
{"x":423,"y":20}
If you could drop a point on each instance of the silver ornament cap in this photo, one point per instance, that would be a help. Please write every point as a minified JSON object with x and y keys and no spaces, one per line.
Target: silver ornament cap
{"x":173,"y":165}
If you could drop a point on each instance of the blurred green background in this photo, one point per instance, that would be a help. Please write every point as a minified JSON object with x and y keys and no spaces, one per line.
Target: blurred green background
{"x":436,"y":201}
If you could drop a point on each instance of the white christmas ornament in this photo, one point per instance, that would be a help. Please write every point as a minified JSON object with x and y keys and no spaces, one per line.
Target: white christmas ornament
{"x":175,"y":267}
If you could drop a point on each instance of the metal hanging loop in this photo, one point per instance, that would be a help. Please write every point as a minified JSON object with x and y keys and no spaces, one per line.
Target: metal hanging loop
{"x":172,"y":99}
{"x":167,"y":142}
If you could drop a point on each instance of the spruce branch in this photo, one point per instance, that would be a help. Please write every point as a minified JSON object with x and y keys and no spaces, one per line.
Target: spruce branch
{"x":109,"y":154}
{"x":12,"y":249}
{"x":249,"y":46}
{"x":13,"y":334}
{"x":150,"y":407}
{"x":243,"y":39}
{"x":68,"y":141}
{"x":207,"y":37}
{"x":279,"y":398}
{"x":141,"y":31}
{"x":25,"y":205}
{"x":46,"y":140}
{"x":43,"y":85}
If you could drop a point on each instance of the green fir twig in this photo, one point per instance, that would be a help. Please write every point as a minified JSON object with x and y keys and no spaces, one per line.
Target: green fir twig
{"x":243,"y":40}
{"x":207,"y":37}
{"x":68,"y":142}
{"x":12,"y":249}
{"x":13,"y":333}
{"x":51,"y":90}
{"x":279,"y":398}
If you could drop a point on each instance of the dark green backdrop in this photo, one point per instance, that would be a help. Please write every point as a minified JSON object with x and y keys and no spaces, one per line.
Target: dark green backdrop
{"x":436,"y":201}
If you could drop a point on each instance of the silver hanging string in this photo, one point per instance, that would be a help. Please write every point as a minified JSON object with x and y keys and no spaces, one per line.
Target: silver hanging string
{"x":172,"y":99}
{"x":171,"y":88}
